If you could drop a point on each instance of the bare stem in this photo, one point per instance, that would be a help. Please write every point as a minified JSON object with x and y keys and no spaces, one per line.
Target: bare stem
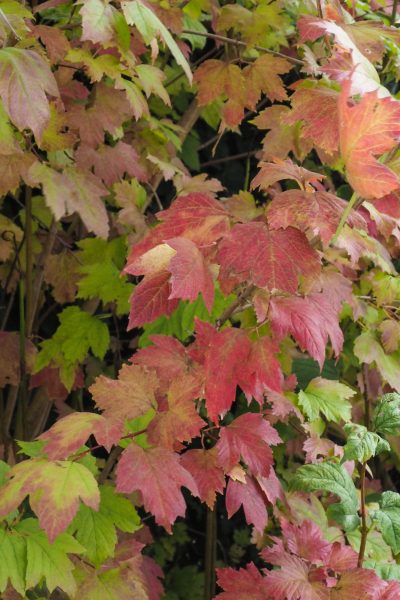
{"x":37,"y":285}
{"x":228,"y":40}
{"x":28,"y":256}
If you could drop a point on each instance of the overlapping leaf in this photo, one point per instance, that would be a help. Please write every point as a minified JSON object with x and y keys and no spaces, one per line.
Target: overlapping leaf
{"x":368,"y":129}
{"x":158,"y":475}
{"x":273,"y":259}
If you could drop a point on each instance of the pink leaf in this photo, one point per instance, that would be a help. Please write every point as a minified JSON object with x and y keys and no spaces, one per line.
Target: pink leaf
{"x":208,"y":475}
{"x":248,"y":437}
{"x":189,"y":273}
{"x":270,"y":259}
{"x":151,"y":299}
{"x":158,"y":475}
{"x":250,"y":496}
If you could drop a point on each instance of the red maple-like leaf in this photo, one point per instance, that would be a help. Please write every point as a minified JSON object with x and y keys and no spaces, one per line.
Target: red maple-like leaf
{"x":151,"y":299}
{"x":310,"y":320}
{"x":317,"y":212}
{"x":68,"y":434}
{"x":272,"y":487}
{"x":306,"y":541}
{"x":296,"y":579}
{"x":262,"y":76}
{"x":263,"y":369}
{"x":225,"y":357}
{"x":190,"y":274}
{"x":342,"y":558}
{"x":242,"y":584}
{"x":110,"y":163}
{"x":129,"y":396}
{"x":390,"y":592}
{"x":167,"y":356}
{"x":158,"y":475}
{"x":358,"y":583}
{"x":271,"y":172}
{"x":368,"y":129}
{"x":249,"y":438}
{"x":55,"y":40}
{"x":108,"y":111}
{"x":180,"y":422}
{"x":249,"y":495}
{"x":205,"y":470}
{"x":272,"y":259}
{"x":197,"y":217}
{"x":317,"y":108}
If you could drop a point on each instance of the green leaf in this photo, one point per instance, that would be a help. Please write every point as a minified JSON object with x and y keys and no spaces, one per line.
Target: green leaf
{"x":96,"y":532}
{"x":362,"y":444}
{"x":386,"y":417}
{"x":387,"y":519}
{"x":12,"y":560}
{"x":375,"y":548}
{"x":55,"y":490}
{"x":368,"y":350}
{"x":31,"y":449}
{"x":30,"y":78}
{"x":196,"y":41}
{"x":121,"y":30}
{"x":332,"y":478}
{"x":181,"y":323}
{"x":48,"y":561}
{"x":4,"y":468}
{"x":103,"y":280}
{"x":306,"y":369}
{"x":386,"y":571}
{"x":150,"y":26}
{"x":119,"y":510}
{"x":78,"y":333}
{"x":93,"y":250}
{"x":328,"y":397}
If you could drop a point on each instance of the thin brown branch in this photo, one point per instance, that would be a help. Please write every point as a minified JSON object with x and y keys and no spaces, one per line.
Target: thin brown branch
{"x":236,"y":304}
{"x":28,"y":257}
{"x":224,"y":159}
{"x":228,"y":40}
{"x":37,"y":285}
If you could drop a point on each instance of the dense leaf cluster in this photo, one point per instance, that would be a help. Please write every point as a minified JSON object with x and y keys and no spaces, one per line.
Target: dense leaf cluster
{"x":199,"y":300}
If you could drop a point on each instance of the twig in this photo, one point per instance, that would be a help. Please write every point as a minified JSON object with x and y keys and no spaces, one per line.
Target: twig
{"x":28,"y":256}
{"x":228,"y":40}
{"x":224,"y":159}
{"x":37,"y":286}
{"x":228,"y":312}
{"x":111,"y":460}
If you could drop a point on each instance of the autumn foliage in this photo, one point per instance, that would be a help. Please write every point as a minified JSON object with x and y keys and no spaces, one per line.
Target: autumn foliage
{"x":200,"y":296}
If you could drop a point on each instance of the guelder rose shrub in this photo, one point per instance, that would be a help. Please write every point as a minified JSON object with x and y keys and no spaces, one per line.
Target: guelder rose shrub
{"x":199,"y":253}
